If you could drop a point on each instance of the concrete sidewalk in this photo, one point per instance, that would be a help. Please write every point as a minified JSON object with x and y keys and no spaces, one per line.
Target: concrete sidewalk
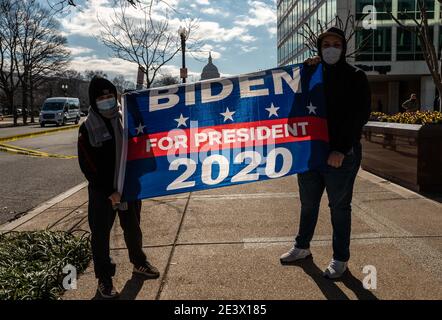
{"x":225,"y":244}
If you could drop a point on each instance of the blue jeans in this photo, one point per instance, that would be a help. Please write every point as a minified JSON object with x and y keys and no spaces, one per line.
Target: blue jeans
{"x":339,"y":185}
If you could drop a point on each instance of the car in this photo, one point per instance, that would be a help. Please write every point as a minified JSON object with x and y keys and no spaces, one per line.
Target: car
{"x":59,"y":111}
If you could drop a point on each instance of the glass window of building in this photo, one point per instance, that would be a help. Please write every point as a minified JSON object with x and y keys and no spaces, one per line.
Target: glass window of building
{"x":333,"y":9}
{"x":418,"y":52}
{"x":364,"y":44}
{"x":440,"y":42}
{"x":382,"y":44}
{"x":408,"y":45}
{"x":429,"y":8}
{"x":300,"y":12}
{"x":312,"y":23}
{"x":410,"y":9}
{"x":406,"y":6}
{"x":405,"y":45}
{"x":306,"y":7}
{"x":278,"y":11}
{"x":373,"y":45}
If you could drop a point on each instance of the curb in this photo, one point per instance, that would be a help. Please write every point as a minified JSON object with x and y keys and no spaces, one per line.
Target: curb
{"x":391,"y":186}
{"x":10,"y":226}
{"x":39,"y":133}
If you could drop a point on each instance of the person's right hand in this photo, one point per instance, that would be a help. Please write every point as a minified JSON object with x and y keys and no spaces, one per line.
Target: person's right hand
{"x":115,"y":198}
{"x":313,"y":61}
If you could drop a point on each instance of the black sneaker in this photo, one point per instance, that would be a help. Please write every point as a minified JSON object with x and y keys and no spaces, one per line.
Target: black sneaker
{"x":106,"y":289}
{"x":147,"y":270}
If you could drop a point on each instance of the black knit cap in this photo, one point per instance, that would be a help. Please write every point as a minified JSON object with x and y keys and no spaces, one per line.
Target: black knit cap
{"x":99,"y":87}
{"x":332,"y":31}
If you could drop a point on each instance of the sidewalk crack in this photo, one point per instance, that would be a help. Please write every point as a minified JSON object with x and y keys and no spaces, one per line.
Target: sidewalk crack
{"x":172,"y":251}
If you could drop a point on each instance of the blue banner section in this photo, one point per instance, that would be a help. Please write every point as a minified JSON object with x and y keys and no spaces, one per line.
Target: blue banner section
{"x":224,"y":131}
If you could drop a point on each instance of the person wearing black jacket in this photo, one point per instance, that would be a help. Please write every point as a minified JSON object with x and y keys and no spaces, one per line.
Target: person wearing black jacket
{"x":99,"y":153}
{"x":348,"y":105}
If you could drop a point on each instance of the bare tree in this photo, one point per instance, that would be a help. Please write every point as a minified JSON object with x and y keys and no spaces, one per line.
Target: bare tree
{"x":420,"y":27}
{"x":349,"y":26}
{"x":42,"y":50}
{"x":63,"y":6}
{"x":70,"y":74}
{"x":165,"y":80}
{"x":9,"y":34}
{"x":89,"y":74}
{"x":122,"y":84}
{"x":145,"y":41}
{"x":30,"y":49}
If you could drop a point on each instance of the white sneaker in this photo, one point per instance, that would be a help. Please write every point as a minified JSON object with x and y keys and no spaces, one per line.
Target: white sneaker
{"x":335,"y":269}
{"x":294,"y":254}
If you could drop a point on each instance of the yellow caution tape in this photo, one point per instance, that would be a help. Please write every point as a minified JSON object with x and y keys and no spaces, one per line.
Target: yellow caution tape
{"x":36,"y":134}
{"x":34,"y":153}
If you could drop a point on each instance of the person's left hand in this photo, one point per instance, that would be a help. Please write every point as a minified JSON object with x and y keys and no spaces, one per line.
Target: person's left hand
{"x":335,"y":159}
{"x":115,"y":198}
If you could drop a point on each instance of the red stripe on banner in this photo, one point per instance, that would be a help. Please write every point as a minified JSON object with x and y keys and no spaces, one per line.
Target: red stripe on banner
{"x":234,"y":135}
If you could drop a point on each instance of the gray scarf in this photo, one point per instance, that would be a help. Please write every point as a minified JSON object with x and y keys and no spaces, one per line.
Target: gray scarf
{"x":98,"y":133}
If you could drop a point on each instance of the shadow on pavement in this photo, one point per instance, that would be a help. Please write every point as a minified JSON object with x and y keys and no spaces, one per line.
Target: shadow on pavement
{"x":130,"y":291}
{"x":329,"y":288}
{"x":132,"y":287}
{"x":435,"y":196}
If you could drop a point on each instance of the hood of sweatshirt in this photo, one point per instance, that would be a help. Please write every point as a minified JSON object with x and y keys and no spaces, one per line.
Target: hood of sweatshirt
{"x":334,"y":32}
{"x":99,"y":87}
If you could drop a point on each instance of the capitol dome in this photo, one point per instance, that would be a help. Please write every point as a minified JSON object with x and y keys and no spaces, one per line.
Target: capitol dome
{"x":210,"y":71}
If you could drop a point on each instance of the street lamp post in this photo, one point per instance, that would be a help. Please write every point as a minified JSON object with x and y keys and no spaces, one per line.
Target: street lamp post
{"x":183,"y":71}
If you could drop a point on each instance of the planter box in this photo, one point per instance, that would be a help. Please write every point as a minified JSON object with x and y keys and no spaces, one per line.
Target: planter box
{"x":407,"y":154}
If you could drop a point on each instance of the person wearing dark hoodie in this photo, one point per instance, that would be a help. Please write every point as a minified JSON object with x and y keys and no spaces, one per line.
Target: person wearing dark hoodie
{"x":348,"y":105}
{"x":99,"y":153}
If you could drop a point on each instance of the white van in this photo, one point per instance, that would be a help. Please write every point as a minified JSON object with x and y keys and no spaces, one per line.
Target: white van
{"x":60,"y":111}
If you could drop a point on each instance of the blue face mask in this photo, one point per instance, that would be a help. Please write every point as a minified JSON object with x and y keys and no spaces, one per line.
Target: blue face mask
{"x":107,"y":104}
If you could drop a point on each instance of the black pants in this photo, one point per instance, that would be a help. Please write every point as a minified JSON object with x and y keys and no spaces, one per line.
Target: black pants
{"x":338,"y":182}
{"x":101,"y":219}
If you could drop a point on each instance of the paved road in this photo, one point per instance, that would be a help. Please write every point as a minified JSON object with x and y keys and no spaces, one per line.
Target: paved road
{"x":26,"y":181}
{"x":31,"y":128}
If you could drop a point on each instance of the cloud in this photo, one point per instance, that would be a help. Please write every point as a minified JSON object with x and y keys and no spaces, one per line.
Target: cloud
{"x":248,"y":49}
{"x":227,"y":39}
{"x":203,"y":52}
{"x":79,"y":50}
{"x":86,"y":22}
{"x":209,"y":30}
{"x":215,"y":11}
{"x":260,"y":14}
{"x":111,"y":66}
{"x":203,"y":2}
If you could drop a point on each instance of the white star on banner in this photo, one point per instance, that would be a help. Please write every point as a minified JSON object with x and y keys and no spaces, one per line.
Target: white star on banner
{"x":140,"y":129}
{"x":228,"y":115}
{"x":311,"y":108}
{"x":273,"y":111}
{"x":181,"y":121}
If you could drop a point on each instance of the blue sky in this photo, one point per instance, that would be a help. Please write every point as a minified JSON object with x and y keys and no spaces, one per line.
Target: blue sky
{"x":240,"y":33}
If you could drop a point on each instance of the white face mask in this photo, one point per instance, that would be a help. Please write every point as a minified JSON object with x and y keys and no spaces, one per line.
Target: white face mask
{"x":106,"y":104}
{"x":331,"y":55}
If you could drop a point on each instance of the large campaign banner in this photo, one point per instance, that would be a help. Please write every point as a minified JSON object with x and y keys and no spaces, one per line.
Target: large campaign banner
{"x":224,"y":131}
